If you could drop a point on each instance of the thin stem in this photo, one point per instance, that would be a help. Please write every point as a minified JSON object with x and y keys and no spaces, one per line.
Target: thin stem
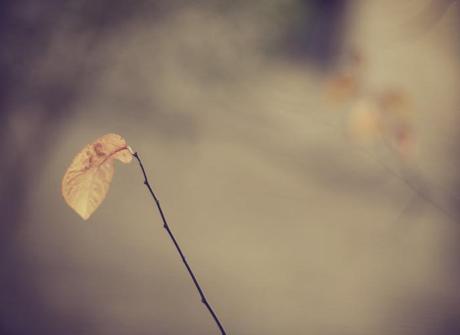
{"x":179,"y":250}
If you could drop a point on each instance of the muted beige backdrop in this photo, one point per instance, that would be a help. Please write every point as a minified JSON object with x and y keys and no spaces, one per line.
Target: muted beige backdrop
{"x":290,"y":226}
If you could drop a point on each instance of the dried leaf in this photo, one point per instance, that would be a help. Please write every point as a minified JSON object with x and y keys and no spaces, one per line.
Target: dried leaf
{"x":396,"y":103}
{"x":87,"y":180}
{"x":397,"y":111}
{"x":364,"y":121}
{"x":404,"y":141}
{"x":342,"y":87}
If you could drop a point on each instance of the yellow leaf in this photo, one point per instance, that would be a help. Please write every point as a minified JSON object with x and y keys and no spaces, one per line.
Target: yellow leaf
{"x":87,"y":180}
{"x":364,"y":122}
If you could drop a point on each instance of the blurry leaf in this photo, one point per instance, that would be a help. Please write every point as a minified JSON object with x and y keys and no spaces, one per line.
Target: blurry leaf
{"x":397,"y":111}
{"x":395,"y":102}
{"x":404,"y":141}
{"x":86,"y":182}
{"x":342,"y":87}
{"x":364,"y":122}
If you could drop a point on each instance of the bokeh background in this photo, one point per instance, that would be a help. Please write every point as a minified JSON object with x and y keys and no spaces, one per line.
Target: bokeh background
{"x":291,"y":226}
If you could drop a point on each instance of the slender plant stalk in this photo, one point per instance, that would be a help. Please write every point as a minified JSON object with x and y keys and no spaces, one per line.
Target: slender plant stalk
{"x":173,"y":239}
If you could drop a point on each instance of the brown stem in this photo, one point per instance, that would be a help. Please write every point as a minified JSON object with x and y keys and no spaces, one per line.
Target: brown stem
{"x":173,"y":239}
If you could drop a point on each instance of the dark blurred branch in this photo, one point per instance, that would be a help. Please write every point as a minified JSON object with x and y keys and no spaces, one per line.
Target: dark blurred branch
{"x":173,"y":239}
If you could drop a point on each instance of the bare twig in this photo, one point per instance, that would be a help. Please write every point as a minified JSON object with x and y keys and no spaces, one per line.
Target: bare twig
{"x":173,"y":239}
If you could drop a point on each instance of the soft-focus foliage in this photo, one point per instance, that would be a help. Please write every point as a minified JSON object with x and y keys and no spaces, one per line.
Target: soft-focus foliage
{"x":342,"y":87}
{"x":374,"y":115}
{"x":87,"y":180}
{"x":364,"y":122}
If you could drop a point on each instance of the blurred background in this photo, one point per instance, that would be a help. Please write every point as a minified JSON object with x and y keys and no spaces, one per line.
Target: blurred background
{"x":305,"y":154}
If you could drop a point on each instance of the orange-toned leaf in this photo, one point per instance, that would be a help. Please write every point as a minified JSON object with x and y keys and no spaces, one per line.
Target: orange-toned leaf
{"x":404,"y":141}
{"x":396,"y":103}
{"x":342,"y":87}
{"x":87,"y":180}
{"x":364,"y":121}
